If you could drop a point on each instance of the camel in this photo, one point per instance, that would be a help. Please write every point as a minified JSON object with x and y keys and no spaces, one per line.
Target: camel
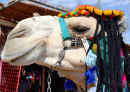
{"x":39,"y":40}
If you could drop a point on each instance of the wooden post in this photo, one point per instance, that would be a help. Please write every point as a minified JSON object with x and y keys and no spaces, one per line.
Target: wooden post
{"x":43,"y":79}
{"x":0,"y":70}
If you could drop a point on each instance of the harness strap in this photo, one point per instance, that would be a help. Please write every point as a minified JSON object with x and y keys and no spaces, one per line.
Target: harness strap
{"x":75,"y":42}
{"x":64,"y":29}
{"x":60,"y":58}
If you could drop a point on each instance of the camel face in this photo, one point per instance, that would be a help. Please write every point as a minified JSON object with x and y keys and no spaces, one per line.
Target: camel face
{"x":26,"y":41}
{"x":39,"y":40}
{"x":36,"y":36}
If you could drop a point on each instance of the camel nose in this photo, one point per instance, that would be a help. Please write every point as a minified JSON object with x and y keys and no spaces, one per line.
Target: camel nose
{"x":15,"y":34}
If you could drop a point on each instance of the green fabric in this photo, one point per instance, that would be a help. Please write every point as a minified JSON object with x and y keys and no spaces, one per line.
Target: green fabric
{"x":107,"y":59}
{"x":75,"y":12}
{"x":102,"y":49}
{"x":63,"y":15}
{"x":64,"y":29}
{"x":124,"y":89}
{"x":69,"y":16}
{"x":102,"y":87}
{"x":122,"y":64}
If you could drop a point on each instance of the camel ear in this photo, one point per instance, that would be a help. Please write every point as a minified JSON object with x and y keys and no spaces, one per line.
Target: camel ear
{"x":121,"y":23}
{"x":36,"y":14}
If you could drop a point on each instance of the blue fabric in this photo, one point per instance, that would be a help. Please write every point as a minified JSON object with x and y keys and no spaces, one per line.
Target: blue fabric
{"x":69,"y":84}
{"x":64,"y":29}
{"x":90,"y":75}
{"x":90,"y":59}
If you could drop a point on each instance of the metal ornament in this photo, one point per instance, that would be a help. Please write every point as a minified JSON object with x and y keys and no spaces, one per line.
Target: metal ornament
{"x":76,"y":42}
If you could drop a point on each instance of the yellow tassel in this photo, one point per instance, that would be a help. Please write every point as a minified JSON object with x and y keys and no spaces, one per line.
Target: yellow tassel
{"x":60,"y":15}
{"x":121,"y":13}
{"x":77,"y":9}
{"x":116,"y":13}
{"x":98,"y":12}
{"x":80,"y":8}
{"x":91,"y":9}
{"x":83,"y":11}
{"x":87,"y":7}
{"x":95,"y":48}
{"x":107,"y":12}
{"x":72,"y":13}
{"x":83,"y":8}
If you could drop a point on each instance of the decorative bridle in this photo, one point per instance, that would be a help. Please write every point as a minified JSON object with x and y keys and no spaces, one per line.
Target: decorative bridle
{"x":111,"y":66}
{"x":75,"y":42}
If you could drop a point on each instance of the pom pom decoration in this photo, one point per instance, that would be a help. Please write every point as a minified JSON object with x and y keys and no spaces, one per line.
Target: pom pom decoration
{"x":69,"y":85}
{"x":95,"y":48}
{"x":90,"y":75}
{"x":90,"y":59}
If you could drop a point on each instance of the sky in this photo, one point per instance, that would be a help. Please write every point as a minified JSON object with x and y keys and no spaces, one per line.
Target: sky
{"x":123,"y":5}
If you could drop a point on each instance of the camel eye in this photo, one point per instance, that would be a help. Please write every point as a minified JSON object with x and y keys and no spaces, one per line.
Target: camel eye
{"x":80,"y":29}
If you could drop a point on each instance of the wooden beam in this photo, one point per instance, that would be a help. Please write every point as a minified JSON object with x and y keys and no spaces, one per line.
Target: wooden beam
{"x":0,"y":70}
{"x":7,"y":23}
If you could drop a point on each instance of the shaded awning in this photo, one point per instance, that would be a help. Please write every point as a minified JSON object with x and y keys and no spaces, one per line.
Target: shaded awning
{"x":25,"y":9}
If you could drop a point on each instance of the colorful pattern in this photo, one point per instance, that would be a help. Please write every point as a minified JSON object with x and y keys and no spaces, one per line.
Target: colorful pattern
{"x":88,"y":10}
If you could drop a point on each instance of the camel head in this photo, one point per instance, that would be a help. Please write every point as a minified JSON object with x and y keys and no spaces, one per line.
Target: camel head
{"x":40,"y":37}
{"x":39,"y":40}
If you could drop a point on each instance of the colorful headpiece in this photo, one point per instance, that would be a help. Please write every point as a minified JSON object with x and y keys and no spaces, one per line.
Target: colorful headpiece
{"x":88,"y":10}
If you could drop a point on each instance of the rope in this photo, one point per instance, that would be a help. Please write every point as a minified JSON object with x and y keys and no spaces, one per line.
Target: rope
{"x":88,"y":10}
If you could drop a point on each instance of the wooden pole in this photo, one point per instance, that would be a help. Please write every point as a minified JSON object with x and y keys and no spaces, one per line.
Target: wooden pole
{"x":43,"y":79}
{"x":0,"y":70}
